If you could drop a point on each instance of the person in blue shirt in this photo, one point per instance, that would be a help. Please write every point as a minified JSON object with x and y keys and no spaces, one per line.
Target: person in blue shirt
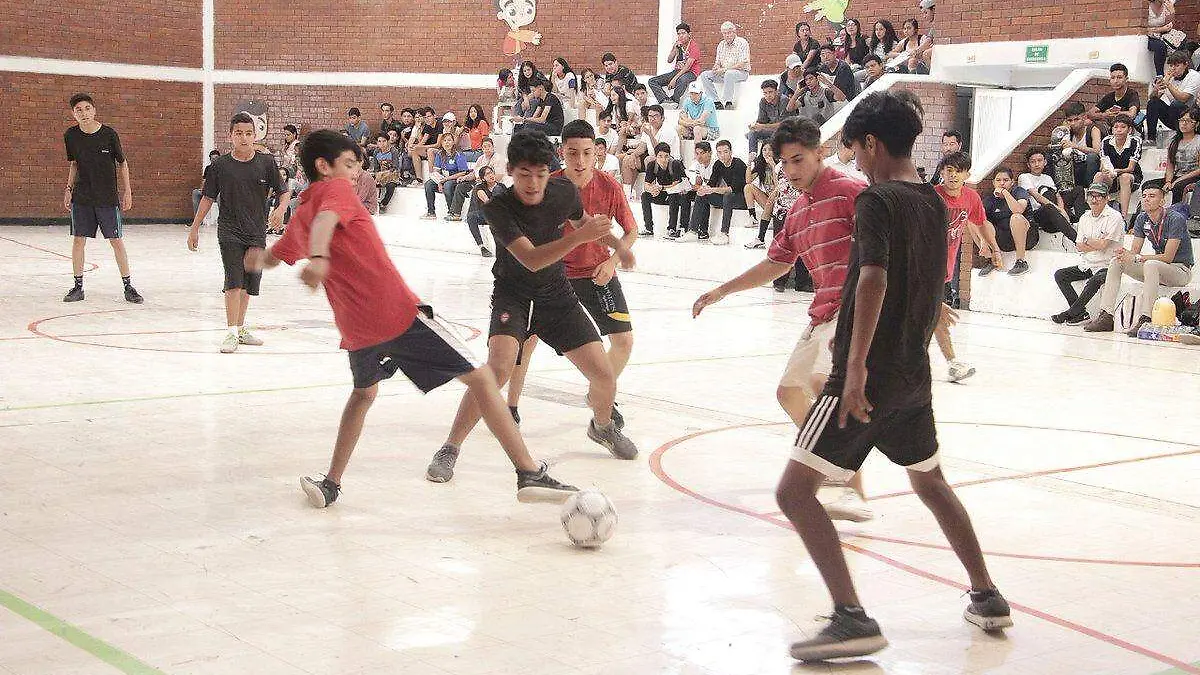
{"x":355,"y":126}
{"x":1007,"y":226}
{"x":698,"y":116}
{"x":449,"y":167}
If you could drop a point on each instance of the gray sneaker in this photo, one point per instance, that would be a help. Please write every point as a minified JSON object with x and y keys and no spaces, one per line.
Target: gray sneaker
{"x":441,"y":469}
{"x":539,"y":487}
{"x":1020,"y":267}
{"x":988,"y":610}
{"x":844,"y":636}
{"x":610,"y":437}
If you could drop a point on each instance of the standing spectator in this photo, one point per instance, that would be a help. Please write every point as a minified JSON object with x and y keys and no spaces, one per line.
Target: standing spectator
{"x":761,"y":191}
{"x":698,"y":118}
{"x":96,"y":161}
{"x":665,"y":178}
{"x":1101,"y":230}
{"x":1160,"y":20}
{"x":1007,"y":227}
{"x":725,"y":188}
{"x":1170,"y":265}
{"x":883,"y":39}
{"x":771,"y":111}
{"x":698,"y":174}
{"x":731,"y":67}
{"x":1183,"y":157}
{"x":197,"y":193}
{"x":615,"y":73}
{"x":563,"y":81}
{"x":1171,"y":95}
{"x":385,"y":167}
{"x":424,"y":141}
{"x":791,"y":79}
{"x":1122,"y":100}
{"x":389,"y":120}
{"x":482,"y":192}
{"x":952,"y":141}
{"x":965,"y":211}
{"x":1121,"y":153}
{"x":290,"y":150}
{"x":449,"y":166}
{"x":685,"y":57}
{"x":1046,"y":211}
{"x":806,"y":47}
{"x":476,"y":126}
{"x":356,"y":128}
{"x":843,"y":76}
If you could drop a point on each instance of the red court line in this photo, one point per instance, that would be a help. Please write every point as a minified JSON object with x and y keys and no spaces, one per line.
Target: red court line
{"x":657,"y":468}
{"x":89,"y":267}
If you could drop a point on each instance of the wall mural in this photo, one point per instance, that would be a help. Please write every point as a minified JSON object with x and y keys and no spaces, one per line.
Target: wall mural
{"x":833,"y":11}
{"x":518,"y":14}
{"x":257,"y":110}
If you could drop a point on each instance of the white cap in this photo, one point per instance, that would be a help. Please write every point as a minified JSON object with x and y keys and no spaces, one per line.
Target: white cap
{"x":729,"y":25}
{"x":695,"y":88}
{"x":926,"y":4}
{"x":449,"y":117}
{"x":793,"y":61}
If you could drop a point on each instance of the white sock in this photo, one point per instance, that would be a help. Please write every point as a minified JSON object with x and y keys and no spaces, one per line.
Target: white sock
{"x":233,"y":330}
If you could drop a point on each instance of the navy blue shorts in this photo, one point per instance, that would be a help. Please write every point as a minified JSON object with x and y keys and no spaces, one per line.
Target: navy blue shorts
{"x":87,"y":219}
{"x":428,"y":354}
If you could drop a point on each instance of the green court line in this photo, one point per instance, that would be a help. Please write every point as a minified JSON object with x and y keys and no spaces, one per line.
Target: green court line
{"x":107,"y":653}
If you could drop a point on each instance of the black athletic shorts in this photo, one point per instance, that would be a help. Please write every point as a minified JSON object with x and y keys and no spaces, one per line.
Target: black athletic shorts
{"x":86,"y":220}
{"x":906,"y":436}
{"x":605,"y":303}
{"x":561,"y":323}
{"x":428,"y":354}
{"x":1004,"y":237}
{"x":233,"y":257}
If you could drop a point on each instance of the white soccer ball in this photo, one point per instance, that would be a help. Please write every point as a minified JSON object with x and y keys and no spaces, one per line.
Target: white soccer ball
{"x":589,"y":518}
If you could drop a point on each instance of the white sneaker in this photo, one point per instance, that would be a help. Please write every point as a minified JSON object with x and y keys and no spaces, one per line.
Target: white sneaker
{"x":757,"y":243}
{"x":245,"y":337}
{"x":959,"y":371}
{"x":719,"y":239}
{"x":230,"y":344}
{"x":850,"y":507}
{"x":687,"y":236}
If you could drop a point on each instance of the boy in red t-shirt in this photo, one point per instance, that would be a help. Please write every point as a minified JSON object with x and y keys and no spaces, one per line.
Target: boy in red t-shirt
{"x":966,"y":210}
{"x":592,"y":266}
{"x":383,"y":324}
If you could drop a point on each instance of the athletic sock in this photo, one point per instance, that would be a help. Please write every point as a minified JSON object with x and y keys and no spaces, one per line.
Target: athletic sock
{"x":125,"y":280}
{"x":512,"y":409}
{"x":233,"y":330}
{"x":78,"y":281}
{"x":753,"y":214}
{"x":762,"y":229}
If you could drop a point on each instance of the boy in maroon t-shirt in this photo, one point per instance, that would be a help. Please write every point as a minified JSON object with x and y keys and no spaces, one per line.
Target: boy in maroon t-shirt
{"x":383,"y":324}
{"x":966,"y":211}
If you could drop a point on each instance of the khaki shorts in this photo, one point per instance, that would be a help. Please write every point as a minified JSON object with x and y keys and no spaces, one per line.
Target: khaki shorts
{"x":811,"y":355}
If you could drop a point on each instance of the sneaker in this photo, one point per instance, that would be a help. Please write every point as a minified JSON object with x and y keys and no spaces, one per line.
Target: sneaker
{"x":245,"y":337}
{"x":1191,"y":338}
{"x":1142,"y":321}
{"x":1103,"y":323}
{"x":779,"y":288}
{"x":539,"y":487}
{"x":453,"y":217}
{"x":672,"y":235}
{"x":702,"y":238}
{"x":845,"y":635}
{"x":1061,"y":317}
{"x":988,"y":268}
{"x":485,"y":252}
{"x":757,"y":243}
{"x":1078,"y":319}
{"x":611,"y":437}
{"x":429,"y":216}
{"x":441,"y":469}
{"x":230,"y":344}
{"x":730,"y":106}
{"x":850,"y":506}
{"x":720,"y":239}
{"x":322,"y":493}
{"x":74,"y":295}
{"x":687,"y":237}
{"x":131,"y":295}
{"x":646,"y":233}
{"x":668,"y":104}
{"x":988,"y":610}
{"x":1020,"y":267}
{"x":959,"y":371}
{"x":719,"y":106}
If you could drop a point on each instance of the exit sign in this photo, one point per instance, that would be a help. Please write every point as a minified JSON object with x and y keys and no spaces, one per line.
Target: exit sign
{"x":1036,"y":53}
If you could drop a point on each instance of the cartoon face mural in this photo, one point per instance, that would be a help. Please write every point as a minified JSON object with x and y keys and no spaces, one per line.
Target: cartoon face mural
{"x":257,"y":110}
{"x":518,"y":14}
{"x":833,"y":11}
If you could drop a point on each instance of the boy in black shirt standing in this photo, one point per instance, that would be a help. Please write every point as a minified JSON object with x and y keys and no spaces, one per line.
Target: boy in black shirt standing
{"x":879,"y":393}
{"x":242,"y":180}
{"x":94,"y":151}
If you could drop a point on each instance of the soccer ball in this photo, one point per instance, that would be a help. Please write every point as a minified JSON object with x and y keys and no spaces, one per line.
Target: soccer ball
{"x":589,"y":519}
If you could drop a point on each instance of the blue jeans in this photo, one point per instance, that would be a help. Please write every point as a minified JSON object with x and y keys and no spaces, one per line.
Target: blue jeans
{"x":658,"y":82}
{"x":431,"y":190}
{"x":729,"y":83}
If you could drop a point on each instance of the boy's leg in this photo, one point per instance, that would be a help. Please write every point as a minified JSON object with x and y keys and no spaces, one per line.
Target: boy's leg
{"x":233,"y":306}
{"x":502,"y":355}
{"x":939,"y":498}
{"x":349,"y":430}
{"x":1019,"y":226}
{"x":797,"y":498}
{"x":121,"y":256}
{"x":593,"y":363}
{"x":516,"y":381}
{"x":942,"y":334}
{"x":78,"y":256}
{"x":484,"y":391}
{"x":1066,"y":276}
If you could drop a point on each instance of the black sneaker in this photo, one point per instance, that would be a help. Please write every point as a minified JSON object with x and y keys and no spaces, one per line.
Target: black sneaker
{"x":845,"y":635}
{"x":538,"y":486}
{"x":1079,"y":319}
{"x":485,"y":252}
{"x":988,"y":610}
{"x":617,"y":418}
{"x":719,"y":105}
{"x":646,"y":233}
{"x":74,"y":295}
{"x":1020,"y":267}
{"x":988,"y":268}
{"x":1061,"y":317}
{"x":441,"y":469}
{"x":1137,"y":325}
{"x":611,"y":437}
{"x":779,"y":288}
{"x":703,"y":236}
{"x":320,"y":494}
{"x":131,"y":295}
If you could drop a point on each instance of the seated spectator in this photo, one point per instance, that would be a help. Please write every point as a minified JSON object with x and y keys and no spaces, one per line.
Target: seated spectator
{"x":855,"y":45}
{"x":698,"y":117}
{"x":1183,"y":157}
{"x":872,"y":69}
{"x":771,"y":111}
{"x":385,"y":169}
{"x":806,"y":47}
{"x":592,"y":96}
{"x":356,"y":128}
{"x":921,"y":60}
{"x":199,"y":192}
{"x":1170,"y":265}
{"x":486,"y":158}
{"x":1170,"y":95}
{"x":791,"y":79}
{"x":449,"y":167}
{"x":761,"y":191}
{"x":424,"y":141}
{"x":685,"y":60}
{"x":903,"y":51}
{"x":1006,"y":228}
{"x":818,"y":100}
{"x":883,"y":39}
{"x":548,"y":118}
{"x":642,"y":98}
{"x":1160,"y":20}
{"x":289,"y":152}
{"x":725,"y":188}
{"x":1081,"y":143}
{"x":389,"y":121}
{"x":506,"y":89}
{"x":1120,"y":155}
{"x":605,"y":130}
{"x":563,"y":82}
{"x":666,"y":178}
{"x":638,"y":147}
{"x":615,"y":73}
{"x":527,"y":74}
{"x":367,"y":189}
{"x":1122,"y":100}
{"x":952,"y":142}
{"x":843,"y":76}
{"x":482,"y":190}
{"x":731,"y":67}
{"x":605,"y":160}
{"x":1046,"y":208}
{"x":843,"y":161}
{"x":476,"y":127}
{"x":698,"y":174}
{"x":1101,"y":230}
{"x":621,"y":110}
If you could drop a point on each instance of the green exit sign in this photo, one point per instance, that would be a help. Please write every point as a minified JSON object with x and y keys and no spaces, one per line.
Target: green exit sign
{"x":1036,"y":53}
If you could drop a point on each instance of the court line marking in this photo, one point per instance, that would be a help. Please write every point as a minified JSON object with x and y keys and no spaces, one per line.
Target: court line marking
{"x":88,"y":267}
{"x":657,"y":468}
{"x":113,"y":656}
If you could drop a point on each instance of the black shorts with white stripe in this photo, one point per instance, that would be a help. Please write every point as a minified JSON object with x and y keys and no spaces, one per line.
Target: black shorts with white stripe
{"x":428,"y":354}
{"x":906,"y":436}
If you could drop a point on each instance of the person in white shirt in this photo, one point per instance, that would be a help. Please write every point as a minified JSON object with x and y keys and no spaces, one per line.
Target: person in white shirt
{"x":698,"y":174}
{"x":843,"y":161}
{"x":605,"y":130}
{"x":1171,"y":94}
{"x":1101,"y":231}
{"x":605,"y":160}
{"x":731,"y":67}
{"x":1046,"y":208}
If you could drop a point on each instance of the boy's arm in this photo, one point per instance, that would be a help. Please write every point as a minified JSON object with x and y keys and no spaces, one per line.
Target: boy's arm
{"x":320,"y":235}
{"x":70,"y":186}
{"x":868,"y":302}
{"x":537,"y":258}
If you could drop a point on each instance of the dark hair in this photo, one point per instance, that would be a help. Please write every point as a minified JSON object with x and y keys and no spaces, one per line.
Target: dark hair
{"x":540,"y":82}
{"x":379,"y":136}
{"x":684,"y":27}
{"x":581,"y":81}
{"x":287,"y":172}
{"x":724,"y":143}
{"x":872,"y":57}
{"x":802,"y":130}
{"x":354,"y":112}
{"x":654,"y":108}
{"x":1173,"y":148}
{"x":389,"y":106}
{"x":1179,"y":56}
{"x":428,"y":110}
{"x":600,"y":141}
{"x":240,"y":118}
{"x":1003,"y":169}
{"x":619,"y":110}
{"x":1036,"y":150}
{"x":410,"y":111}
{"x":565,"y":66}
{"x":211,"y":153}
{"x":758,"y":165}
{"x":810,"y":71}
{"x":578,"y":129}
{"x":957,"y":160}
{"x":292,"y":128}
{"x":662,"y":147}
{"x":80,"y":98}
{"x":802,"y":23}
{"x":892,"y":119}
{"x":483,"y":171}
{"x":530,"y":147}
{"x":1155,"y":184}
{"x":915,"y":24}
{"x":504,"y":74}
{"x":769,"y":84}
{"x":1073,"y":109}
{"x":889,"y":36}
{"x":324,"y":144}
{"x":608,"y":56}
{"x":955,"y":134}
{"x":480,"y":117}
{"x":488,"y":139}
{"x":704,"y":145}
{"x":827,"y":47}
{"x":1123,"y":119}
{"x":1119,"y":67}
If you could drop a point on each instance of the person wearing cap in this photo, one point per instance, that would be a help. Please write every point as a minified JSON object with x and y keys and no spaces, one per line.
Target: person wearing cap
{"x":1101,"y":230}
{"x":355,"y":126}
{"x":921,"y":60}
{"x":791,"y":79}
{"x":698,"y":117}
{"x":685,"y":57}
{"x":731,"y":67}
{"x":771,"y":111}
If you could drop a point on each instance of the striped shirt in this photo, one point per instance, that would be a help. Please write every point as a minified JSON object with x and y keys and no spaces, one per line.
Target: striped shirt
{"x":817,"y":230}
{"x":730,"y":54}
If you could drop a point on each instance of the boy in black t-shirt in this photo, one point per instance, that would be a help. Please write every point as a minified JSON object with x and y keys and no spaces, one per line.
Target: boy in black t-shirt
{"x":532,"y":295}
{"x":1122,"y":100}
{"x":879,"y":393}
{"x":96,"y":157}
{"x":725,"y":188}
{"x":664,"y":177}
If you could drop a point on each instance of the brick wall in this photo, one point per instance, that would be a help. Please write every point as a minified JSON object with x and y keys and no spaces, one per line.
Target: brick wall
{"x":976,"y":21}
{"x":1187,"y":16}
{"x":159,"y":32}
{"x":159,"y":124}
{"x":770,"y":25}
{"x":427,"y":36}
{"x":1087,"y":95}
